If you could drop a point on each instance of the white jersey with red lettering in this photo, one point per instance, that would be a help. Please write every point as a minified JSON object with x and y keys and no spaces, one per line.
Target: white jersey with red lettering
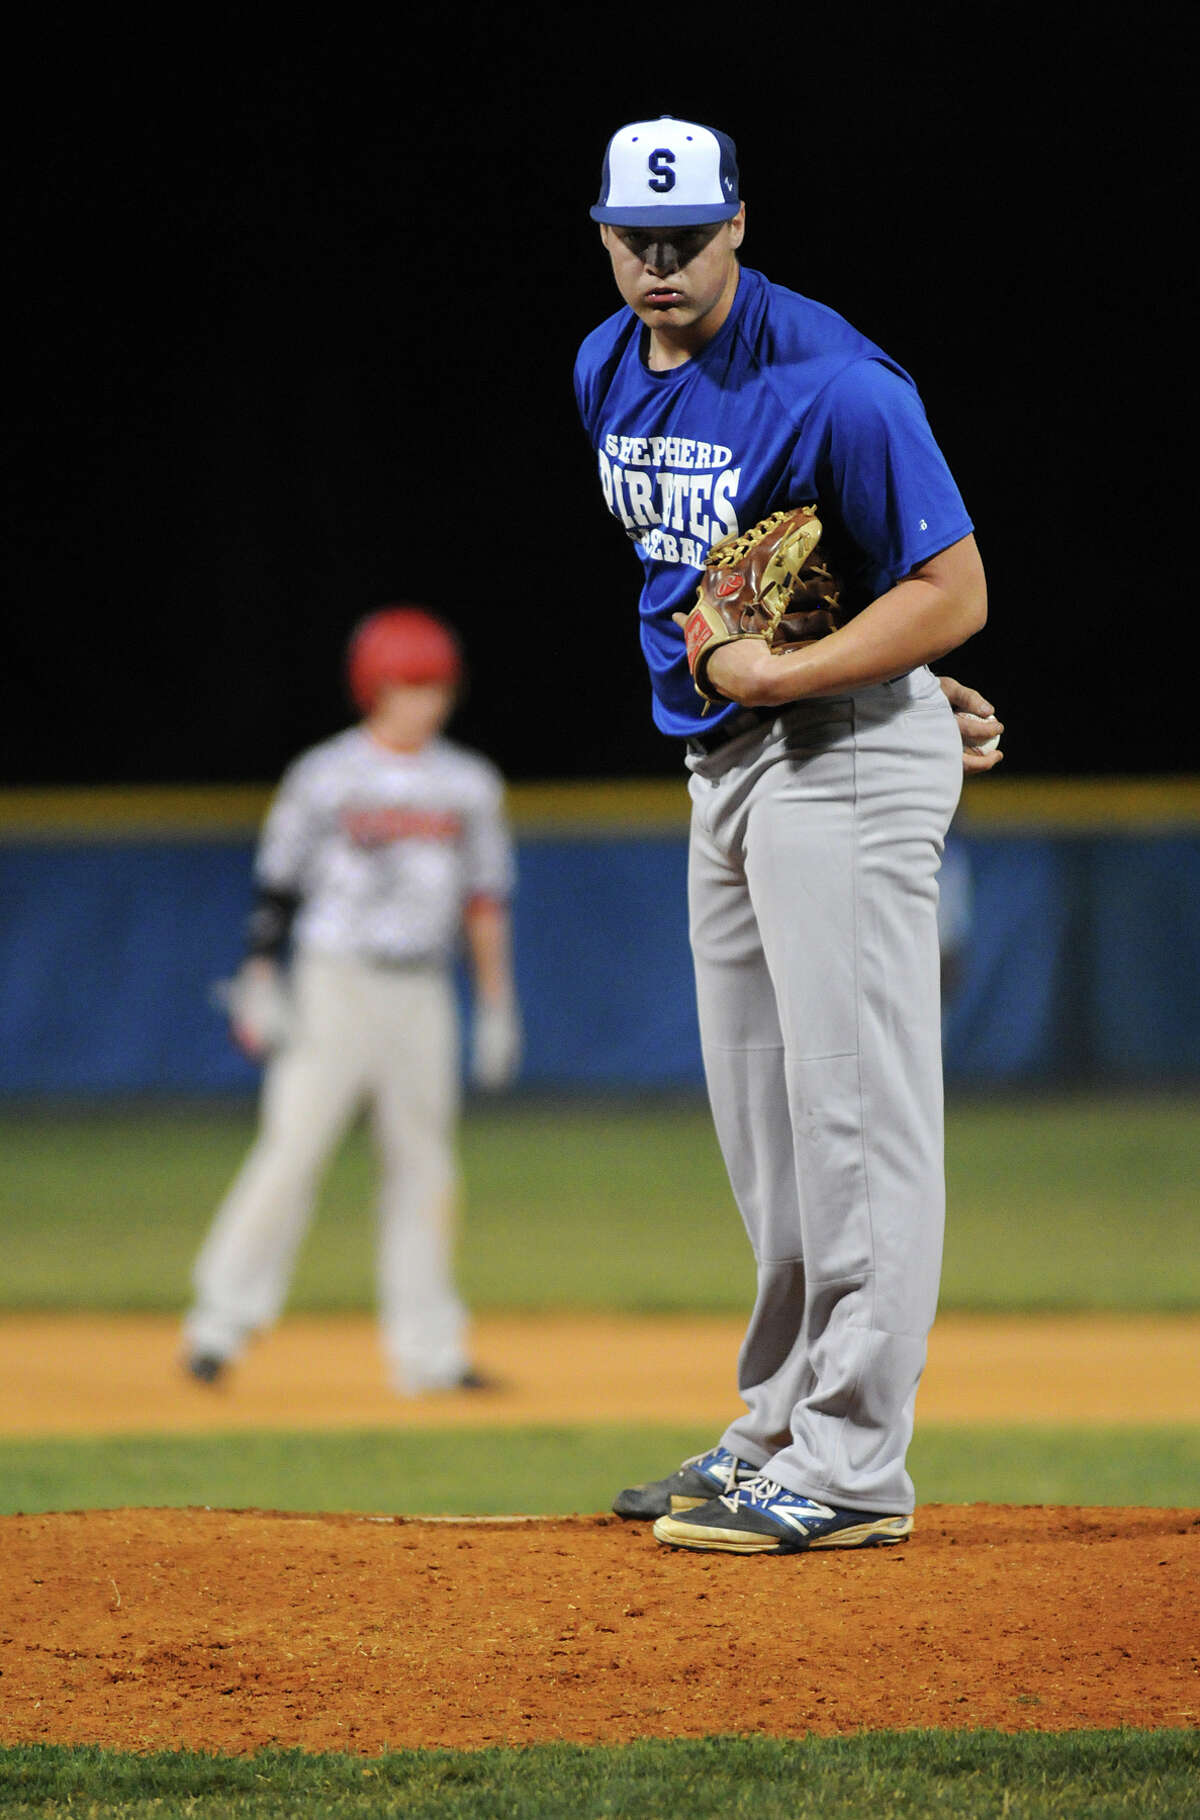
{"x":385,"y":848}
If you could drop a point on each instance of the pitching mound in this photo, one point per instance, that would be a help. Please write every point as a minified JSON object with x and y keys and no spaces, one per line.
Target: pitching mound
{"x":219,"y":1630}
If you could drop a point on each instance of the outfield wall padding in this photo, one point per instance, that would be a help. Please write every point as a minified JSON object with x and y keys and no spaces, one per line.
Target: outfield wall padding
{"x":1081,"y":963}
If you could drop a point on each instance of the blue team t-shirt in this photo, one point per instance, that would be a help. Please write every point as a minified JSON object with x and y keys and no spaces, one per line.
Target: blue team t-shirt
{"x":787,"y":405}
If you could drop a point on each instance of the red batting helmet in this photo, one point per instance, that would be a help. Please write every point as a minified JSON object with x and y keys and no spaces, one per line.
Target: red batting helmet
{"x":400,"y":645}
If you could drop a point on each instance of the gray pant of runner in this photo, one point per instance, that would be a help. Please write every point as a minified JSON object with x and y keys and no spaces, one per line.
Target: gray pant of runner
{"x":364,"y":1034}
{"x":815,"y":847}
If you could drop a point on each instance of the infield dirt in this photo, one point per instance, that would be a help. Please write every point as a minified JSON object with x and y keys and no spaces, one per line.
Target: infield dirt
{"x":119,"y":1374}
{"x":231,"y":1630}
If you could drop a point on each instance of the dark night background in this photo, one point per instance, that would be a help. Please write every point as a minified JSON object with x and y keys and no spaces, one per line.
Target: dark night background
{"x":295,"y":323}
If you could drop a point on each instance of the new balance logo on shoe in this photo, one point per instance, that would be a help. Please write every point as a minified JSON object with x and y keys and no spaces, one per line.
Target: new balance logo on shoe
{"x":761,"y":1516}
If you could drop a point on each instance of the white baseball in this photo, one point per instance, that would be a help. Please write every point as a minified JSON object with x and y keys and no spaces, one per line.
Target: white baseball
{"x":986,"y":745}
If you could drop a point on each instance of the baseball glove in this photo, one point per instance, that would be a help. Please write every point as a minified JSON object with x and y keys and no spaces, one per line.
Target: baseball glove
{"x":767,"y":582}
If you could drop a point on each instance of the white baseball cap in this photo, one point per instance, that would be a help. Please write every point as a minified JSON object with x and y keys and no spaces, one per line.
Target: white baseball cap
{"x":668,"y":173}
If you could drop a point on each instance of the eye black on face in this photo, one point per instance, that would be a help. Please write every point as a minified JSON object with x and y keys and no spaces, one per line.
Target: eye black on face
{"x":684,"y":242}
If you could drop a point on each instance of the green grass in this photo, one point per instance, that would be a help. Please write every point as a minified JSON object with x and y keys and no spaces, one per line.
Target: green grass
{"x":1084,"y":1202}
{"x":582,"y":1206}
{"x":1100,"y":1775}
{"x":1054,"y":1204}
{"x":553,"y":1471}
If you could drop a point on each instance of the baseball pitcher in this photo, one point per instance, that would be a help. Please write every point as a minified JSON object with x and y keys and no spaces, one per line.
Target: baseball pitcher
{"x":805,"y":554}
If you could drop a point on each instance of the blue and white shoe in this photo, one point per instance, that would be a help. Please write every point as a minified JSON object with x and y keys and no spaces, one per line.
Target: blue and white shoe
{"x":760,"y":1518}
{"x":704,"y":1476}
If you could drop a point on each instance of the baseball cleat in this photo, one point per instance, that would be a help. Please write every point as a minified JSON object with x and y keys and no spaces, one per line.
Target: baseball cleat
{"x":702,"y":1477}
{"x":204,"y":1367}
{"x":761,"y":1518}
{"x":469,"y":1378}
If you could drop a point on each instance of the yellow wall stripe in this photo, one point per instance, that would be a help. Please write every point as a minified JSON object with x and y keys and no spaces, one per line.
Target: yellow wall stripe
{"x":603,"y":807}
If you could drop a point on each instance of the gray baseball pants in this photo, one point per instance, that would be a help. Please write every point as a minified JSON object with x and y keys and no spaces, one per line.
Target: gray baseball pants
{"x":815,"y":847}
{"x":370,"y":1034}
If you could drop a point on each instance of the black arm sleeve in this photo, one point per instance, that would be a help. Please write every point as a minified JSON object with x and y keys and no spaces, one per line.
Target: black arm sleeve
{"x":270,"y":922}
